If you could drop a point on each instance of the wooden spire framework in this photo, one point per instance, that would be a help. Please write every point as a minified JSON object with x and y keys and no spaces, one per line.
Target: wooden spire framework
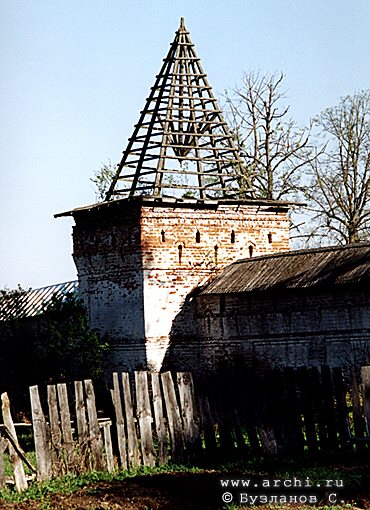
{"x":181,"y":145}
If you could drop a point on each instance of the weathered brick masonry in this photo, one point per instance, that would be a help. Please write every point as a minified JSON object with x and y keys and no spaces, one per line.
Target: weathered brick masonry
{"x":291,"y":328}
{"x":140,"y":260}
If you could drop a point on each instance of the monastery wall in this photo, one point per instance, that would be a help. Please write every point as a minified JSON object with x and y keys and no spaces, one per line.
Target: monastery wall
{"x":269,"y":330}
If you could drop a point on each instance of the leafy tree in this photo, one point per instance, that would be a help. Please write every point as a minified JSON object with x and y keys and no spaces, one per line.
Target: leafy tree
{"x":11,"y":302}
{"x":338,"y":189}
{"x":273,"y":147}
{"x":103,"y":179}
{"x":56,"y":346}
{"x":65,"y":344}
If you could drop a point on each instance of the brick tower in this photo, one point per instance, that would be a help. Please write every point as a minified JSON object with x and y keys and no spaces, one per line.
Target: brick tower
{"x":173,"y":216}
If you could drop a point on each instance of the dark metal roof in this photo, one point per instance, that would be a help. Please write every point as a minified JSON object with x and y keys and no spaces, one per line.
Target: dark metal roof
{"x":319,"y":267}
{"x":20,"y":304}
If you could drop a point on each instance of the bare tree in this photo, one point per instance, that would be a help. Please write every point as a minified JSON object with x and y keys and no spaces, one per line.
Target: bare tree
{"x":338,"y":189}
{"x":273,"y":148}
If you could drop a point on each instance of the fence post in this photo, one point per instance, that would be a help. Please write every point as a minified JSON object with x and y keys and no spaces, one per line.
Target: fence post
{"x":41,"y":436}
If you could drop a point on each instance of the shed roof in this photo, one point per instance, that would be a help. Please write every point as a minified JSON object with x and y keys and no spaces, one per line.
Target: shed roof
{"x":32,"y":302}
{"x":319,"y":267}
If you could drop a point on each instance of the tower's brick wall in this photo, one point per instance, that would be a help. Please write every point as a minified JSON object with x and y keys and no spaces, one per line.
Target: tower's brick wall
{"x":138,"y":263}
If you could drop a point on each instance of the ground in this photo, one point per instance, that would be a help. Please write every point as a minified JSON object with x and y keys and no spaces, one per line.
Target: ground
{"x":163,"y":491}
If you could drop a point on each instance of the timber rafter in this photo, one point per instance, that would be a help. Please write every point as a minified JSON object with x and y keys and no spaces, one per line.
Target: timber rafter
{"x":181,"y":141}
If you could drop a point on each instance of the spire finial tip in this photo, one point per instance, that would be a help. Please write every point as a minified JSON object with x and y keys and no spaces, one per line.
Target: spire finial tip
{"x":182,"y":22}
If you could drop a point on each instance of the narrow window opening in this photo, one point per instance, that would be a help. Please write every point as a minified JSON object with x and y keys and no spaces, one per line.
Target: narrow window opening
{"x":163,"y":236}
{"x":180,"y":252}
{"x":250,"y":250}
{"x":222,"y":304}
{"x":216,"y":254}
{"x":208,"y":323}
{"x":269,"y":237}
{"x":232,"y":237}
{"x":197,"y":237}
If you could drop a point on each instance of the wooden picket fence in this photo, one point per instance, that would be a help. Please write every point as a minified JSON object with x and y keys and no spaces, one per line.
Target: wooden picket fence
{"x":291,"y":411}
{"x":160,"y":417}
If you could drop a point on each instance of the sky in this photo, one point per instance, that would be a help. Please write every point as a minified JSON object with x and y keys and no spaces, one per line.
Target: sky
{"x":75,"y":75}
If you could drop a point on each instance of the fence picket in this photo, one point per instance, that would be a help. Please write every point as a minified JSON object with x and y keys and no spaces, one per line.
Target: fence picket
{"x":365,"y":380}
{"x":207,"y":424}
{"x":19,"y":475}
{"x":55,"y":432}
{"x":95,"y":437}
{"x":173,"y":416}
{"x":188,"y":410}
{"x":265,"y":418}
{"x":341,"y":408}
{"x":318,"y":406}
{"x":82,"y":428}
{"x":132,"y":441}
{"x":145,"y":420}
{"x":65,"y":420}
{"x":223,"y":411}
{"x":358,"y":421}
{"x":108,"y":446}
{"x":276,"y":417}
{"x":3,"y":447}
{"x":292,"y":413}
{"x":120,"y":422}
{"x":250,"y":407}
{"x":159,"y":418}
{"x":328,"y":407}
{"x":41,"y":436}
{"x":308,"y":410}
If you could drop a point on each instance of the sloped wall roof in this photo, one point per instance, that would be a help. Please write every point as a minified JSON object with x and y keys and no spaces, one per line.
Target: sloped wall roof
{"x":32,"y":302}
{"x":337,"y":265}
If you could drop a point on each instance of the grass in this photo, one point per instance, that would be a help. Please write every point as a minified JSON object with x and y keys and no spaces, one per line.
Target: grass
{"x":72,"y":483}
{"x":355,"y":476}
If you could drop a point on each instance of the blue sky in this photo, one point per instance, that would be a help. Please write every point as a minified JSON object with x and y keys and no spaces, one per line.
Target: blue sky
{"x":75,"y":74}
